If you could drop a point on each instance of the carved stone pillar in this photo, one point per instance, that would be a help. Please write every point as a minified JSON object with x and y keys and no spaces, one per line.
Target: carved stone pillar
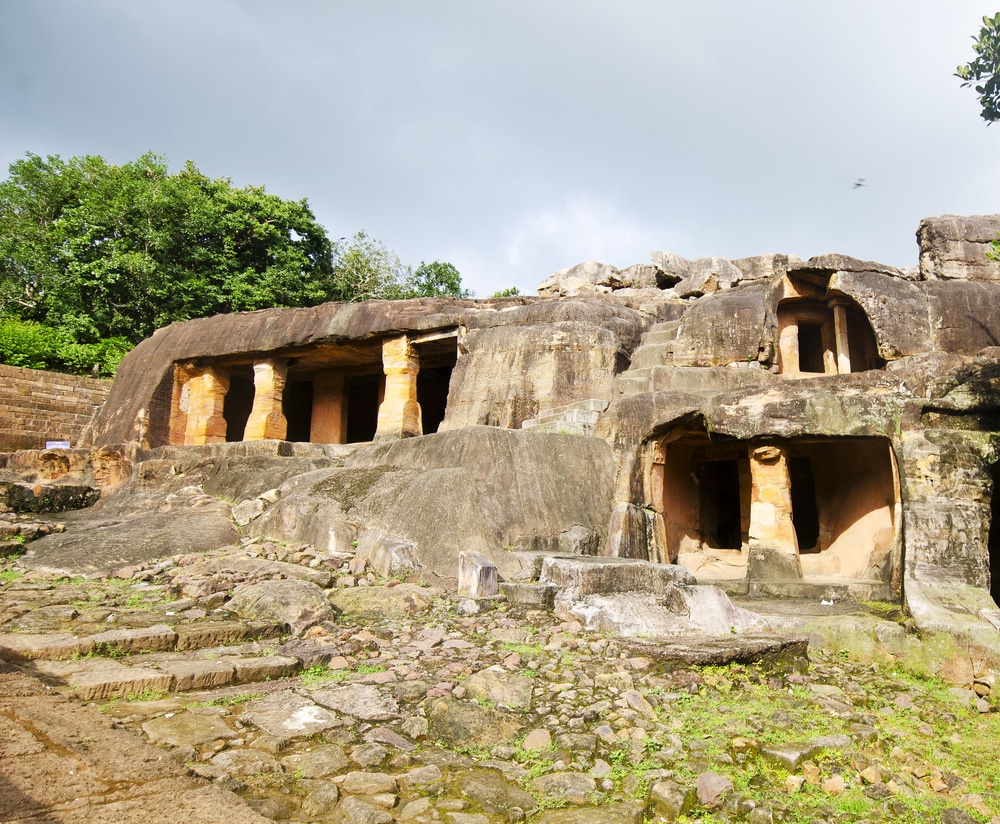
{"x":329,"y":414}
{"x":180,"y":403}
{"x":267,"y":420}
{"x":773,"y":548}
{"x":206,"y":396}
{"x":399,"y":414}
{"x":840,"y":332}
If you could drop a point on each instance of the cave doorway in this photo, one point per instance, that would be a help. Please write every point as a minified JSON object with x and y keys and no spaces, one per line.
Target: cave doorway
{"x":993,"y":543}
{"x":297,"y":403}
{"x":363,"y":399}
{"x":805,"y":513}
{"x":238,"y":403}
{"x":719,"y":504}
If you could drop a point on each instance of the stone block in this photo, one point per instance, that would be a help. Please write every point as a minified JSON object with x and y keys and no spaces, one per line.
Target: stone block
{"x":531,"y":596}
{"x":25,"y":647}
{"x":477,"y":576}
{"x":99,"y":678}
{"x":157,"y":638}
{"x":768,"y":563}
{"x":199,"y":675}
{"x":598,"y":575}
{"x":265,"y":668}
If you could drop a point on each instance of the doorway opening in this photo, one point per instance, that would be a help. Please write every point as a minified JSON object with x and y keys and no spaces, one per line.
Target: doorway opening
{"x":719,"y":504}
{"x":238,"y":402}
{"x":296,"y":404}
{"x":805,"y":513}
{"x":993,"y":543}
{"x":362,"y":407}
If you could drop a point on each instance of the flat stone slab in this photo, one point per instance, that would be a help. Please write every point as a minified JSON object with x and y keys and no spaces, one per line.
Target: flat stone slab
{"x":93,"y":679}
{"x":199,"y":675}
{"x":286,"y":715}
{"x":187,"y":729}
{"x":717,"y":651}
{"x":157,"y":638}
{"x":15,"y":646}
{"x":361,"y":701}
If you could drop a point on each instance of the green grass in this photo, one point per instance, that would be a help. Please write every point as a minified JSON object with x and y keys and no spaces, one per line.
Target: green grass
{"x":226,"y":701}
{"x":527,"y":650}
{"x":9,"y":575}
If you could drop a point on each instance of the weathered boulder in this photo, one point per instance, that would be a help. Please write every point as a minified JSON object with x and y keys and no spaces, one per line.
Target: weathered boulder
{"x":102,"y":541}
{"x":590,"y":276}
{"x":478,"y":489}
{"x":766,"y":267}
{"x":296,"y":603}
{"x":506,"y":376}
{"x":722,"y":328}
{"x":469,"y":723}
{"x":955,"y":248}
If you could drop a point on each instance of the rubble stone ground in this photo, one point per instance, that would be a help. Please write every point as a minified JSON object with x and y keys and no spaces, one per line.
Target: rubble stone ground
{"x":146,"y":697}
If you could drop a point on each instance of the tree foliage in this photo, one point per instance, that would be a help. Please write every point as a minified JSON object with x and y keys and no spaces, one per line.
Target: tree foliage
{"x":104,"y":255}
{"x":983,"y":72}
{"x":107,"y":251}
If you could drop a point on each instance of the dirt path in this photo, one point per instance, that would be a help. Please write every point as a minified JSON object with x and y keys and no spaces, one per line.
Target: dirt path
{"x":62,"y":762}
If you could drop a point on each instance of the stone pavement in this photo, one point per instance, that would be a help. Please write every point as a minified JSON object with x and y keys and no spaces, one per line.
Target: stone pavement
{"x":67,"y":763}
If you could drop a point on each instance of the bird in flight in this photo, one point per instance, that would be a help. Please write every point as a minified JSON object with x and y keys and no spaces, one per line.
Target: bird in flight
{"x":859,"y":183}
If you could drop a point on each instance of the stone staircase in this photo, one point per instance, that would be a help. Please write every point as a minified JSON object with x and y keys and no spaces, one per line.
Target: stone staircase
{"x":653,"y":369}
{"x":572,"y":419}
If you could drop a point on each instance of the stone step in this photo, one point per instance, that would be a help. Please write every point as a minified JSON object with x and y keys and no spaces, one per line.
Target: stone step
{"x":691,"y":379}
{"x":20,"y":646}
{"x":559,"y":427}
{"x":655,"y":354}
{"x":575,"y":418}
{"x":92,"y":679}
{"x":855,"y":590}
{"x":665,"y":332}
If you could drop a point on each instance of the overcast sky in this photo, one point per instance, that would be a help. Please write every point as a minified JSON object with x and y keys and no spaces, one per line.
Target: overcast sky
{"x":517,"y":137}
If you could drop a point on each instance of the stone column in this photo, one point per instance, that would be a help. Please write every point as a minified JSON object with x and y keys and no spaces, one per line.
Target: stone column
{"x":329,"y":415}
{"x":788,"y":350}
{"x":206,"y":396}
{"x":267,"y":420}
{"x":180,"y":403}
{"x":840,"y":333}
{"x":773,"y":548}
{"x":399,"y":413}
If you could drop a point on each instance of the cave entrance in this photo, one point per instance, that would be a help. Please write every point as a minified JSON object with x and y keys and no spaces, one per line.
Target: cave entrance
{"x":805,"y":514}
{"x":297,"y":405}
{"x":364,"y":394}
{"x":833,"y":502}
{"x":238,"y":401}
{"x":719,"y":504}
{"x":994,"y":537}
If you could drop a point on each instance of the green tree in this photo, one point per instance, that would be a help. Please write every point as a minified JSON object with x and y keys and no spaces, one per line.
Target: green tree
{"x":436,"y":279}
{"x":104,"y":251}
{"x":983,"y":72}
{"x":366,"y":269}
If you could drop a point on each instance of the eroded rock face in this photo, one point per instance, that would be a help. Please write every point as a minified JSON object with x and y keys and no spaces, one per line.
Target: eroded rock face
{"x":955,"y":248}
{"x":767,"y":424}
{"x":478,"y":489}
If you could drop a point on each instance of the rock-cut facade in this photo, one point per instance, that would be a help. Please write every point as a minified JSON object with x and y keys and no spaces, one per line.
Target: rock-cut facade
{"x":825,"y":428}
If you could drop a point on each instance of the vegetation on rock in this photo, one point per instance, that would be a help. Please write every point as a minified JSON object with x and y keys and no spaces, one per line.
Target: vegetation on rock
{"x":95,"y":257}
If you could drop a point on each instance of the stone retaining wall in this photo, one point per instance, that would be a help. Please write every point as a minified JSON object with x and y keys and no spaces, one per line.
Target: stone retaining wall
{"x":37,"y":406}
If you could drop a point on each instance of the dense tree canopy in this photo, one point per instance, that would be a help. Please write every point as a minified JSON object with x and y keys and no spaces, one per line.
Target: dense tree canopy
{"x":106,"y":254}
{"x":105,"y":251}
{"x":984,"y":70}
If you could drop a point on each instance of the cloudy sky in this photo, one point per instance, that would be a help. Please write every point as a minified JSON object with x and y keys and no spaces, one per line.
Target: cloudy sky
{"x":517,"y":137}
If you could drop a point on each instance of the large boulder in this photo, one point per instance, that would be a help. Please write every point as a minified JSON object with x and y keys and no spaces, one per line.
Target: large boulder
{"x":955,"y":248}
{"x":477,"y":489}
